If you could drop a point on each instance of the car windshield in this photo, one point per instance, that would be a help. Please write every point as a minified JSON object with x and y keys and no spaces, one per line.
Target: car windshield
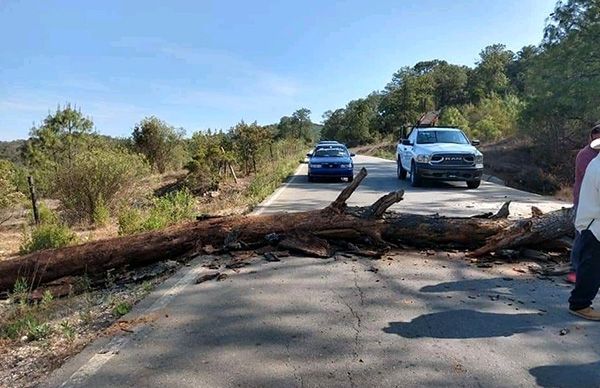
{"x":330,"y":152}
{"x":430,"y":137}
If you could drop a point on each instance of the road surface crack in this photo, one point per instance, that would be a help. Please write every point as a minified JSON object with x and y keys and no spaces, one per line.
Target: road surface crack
{"x":357,"y":325}
{"x":360,"y":291}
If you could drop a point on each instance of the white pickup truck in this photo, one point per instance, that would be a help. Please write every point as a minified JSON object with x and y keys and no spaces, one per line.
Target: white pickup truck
{"x":439,"y":153}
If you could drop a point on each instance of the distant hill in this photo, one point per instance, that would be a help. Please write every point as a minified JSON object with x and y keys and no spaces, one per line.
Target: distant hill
{"x":11,"y":150}
{"x":316,"y":129}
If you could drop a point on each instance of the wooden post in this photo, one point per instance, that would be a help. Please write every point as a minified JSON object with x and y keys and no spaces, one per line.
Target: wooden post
{"x":36,"y":215}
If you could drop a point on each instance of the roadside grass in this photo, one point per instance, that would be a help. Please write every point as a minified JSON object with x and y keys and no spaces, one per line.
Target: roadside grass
{"x":164,"y":211}
{"x":384,"y":154}
{"x":269,"y":178}
{"x":44,"y":236}
{"x":385,"y":149}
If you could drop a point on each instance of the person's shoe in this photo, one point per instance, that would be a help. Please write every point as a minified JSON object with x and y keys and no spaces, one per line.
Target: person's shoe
{"x":571,"y":277}
{"x":587,"y":313}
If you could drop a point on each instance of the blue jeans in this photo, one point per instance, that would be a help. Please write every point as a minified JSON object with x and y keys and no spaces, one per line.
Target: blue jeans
{"x":574,"y":262}
{"x":588,"y":272}
{"x":574,"y":251}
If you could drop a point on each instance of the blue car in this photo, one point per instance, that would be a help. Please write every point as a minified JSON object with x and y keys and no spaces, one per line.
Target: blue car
{"x":330,"y":162}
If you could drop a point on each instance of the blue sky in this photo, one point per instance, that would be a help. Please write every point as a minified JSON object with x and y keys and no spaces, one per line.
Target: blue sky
{"x":209,"y":64}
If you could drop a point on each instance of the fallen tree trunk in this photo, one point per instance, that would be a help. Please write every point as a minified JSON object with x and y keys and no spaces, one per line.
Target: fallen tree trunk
{"x":370,"y":225}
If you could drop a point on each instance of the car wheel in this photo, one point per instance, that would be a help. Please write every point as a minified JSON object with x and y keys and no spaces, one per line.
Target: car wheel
{"x":415,"y":179}
{"x":400,"y":171}
{"x":473,"y":184}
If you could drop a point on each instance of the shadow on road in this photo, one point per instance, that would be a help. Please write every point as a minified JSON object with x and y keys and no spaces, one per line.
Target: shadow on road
{"x":464,"y":324}
{"x":480,"y":285}
{"x":566,"y":375}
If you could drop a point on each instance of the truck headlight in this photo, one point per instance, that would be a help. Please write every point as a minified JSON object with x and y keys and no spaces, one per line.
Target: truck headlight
{"x":346,"y":165}
{"x":478,"y":159}
{"x":315,"y":166}
{"x":423,"y":158}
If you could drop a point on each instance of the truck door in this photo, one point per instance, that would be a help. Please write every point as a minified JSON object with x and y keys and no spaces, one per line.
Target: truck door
{"x":407,"y":150}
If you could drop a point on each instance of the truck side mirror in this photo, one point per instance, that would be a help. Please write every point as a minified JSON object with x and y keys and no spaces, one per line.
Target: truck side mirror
{"x":475,"y":142}
{"x":309,"y":154}
{"x":352,"y":155}
{"x":406,"y":142}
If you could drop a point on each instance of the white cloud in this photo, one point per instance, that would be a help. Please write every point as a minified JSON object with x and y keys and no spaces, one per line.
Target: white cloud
{"x":243,"y":73}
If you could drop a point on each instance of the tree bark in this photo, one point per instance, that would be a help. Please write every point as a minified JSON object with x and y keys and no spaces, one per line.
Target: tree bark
{"x":337,"y":223}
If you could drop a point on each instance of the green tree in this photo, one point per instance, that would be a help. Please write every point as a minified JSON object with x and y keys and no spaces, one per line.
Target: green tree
{"x":563,"y":81}
{"x":570,"y":17}
{"x":59,"y":136}
{"x":358,"y":123}
{"x":333,"y":124}
{"x":211,"y":154}
{"x":493,"y":117}
{"x":491,"y":74}
{"x":248,"y":140}
{"x":298,"y":126}
{"x":517,"y":70}
{"x":453,"y":117}
{"x":160,"y":142}
{"x":56,"y":141}
{"x":405,"y":99}
{"x":449,"y":81}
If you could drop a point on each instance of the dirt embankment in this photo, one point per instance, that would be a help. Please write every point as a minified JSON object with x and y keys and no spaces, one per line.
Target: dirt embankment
{"x":516,"y":162}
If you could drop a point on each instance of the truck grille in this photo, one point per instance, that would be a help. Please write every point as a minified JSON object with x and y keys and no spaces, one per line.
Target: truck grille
{"x":453,"y":159}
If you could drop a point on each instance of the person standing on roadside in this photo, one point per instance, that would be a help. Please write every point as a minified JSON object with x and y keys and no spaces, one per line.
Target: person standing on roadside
{"x":584,"y":157}
{"x":587,"y":222}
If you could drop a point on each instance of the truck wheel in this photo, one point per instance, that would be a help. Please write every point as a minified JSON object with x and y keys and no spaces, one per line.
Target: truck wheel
{"x":473,"y":184}
{"x":400,"y":171}
{"x":415,"y":179}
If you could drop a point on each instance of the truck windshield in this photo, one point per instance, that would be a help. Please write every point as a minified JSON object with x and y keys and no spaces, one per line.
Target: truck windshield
{"x":330,"y":152}
{"x":430,"y":137}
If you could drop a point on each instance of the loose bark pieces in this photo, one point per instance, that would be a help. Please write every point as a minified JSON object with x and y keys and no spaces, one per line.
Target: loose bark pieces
{"x":307,"y":244}
{"x":207,"y":276}
{"x":271,"y":257}
{"x":58,"y":288}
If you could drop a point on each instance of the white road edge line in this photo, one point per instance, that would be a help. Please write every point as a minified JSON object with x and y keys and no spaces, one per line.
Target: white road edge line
{"x":266,"y":203}
{"x":94,"y":364}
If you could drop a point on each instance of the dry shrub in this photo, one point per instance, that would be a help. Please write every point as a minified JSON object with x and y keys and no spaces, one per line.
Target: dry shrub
{"x":88,"y":186}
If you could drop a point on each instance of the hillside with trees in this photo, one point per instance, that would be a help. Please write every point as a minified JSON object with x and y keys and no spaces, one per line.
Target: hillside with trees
{"x":544,"y":97}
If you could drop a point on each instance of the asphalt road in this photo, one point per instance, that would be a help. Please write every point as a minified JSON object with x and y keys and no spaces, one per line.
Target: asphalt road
{"x":407,"y":320}
{"x":451,"y":199}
